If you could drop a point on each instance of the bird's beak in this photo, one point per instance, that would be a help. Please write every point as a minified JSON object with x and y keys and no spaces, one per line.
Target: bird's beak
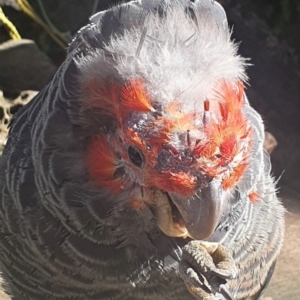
{"x":197,"y":216}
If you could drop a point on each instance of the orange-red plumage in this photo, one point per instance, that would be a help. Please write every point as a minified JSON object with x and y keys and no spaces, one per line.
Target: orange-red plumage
{"x":115,"y":100}
{"x":231,"y":100}
{"x":181,"y":182}
{"x":99,"y":94}
{"x":178,"y":121}
{"x":224,"y":135}
{"x":230,"y":180}
{"x":135,"y":96}
{"x":229,"y":148}
{"x":207,"y":149}
{"x":135,"y":139}
{"x":254,"y":196}
{"x":172,"y":109}
{"x":102,"y":166}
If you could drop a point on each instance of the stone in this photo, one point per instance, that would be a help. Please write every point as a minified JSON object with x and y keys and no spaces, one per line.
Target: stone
{"x":7,"y":109}
{"x":23,"y":66}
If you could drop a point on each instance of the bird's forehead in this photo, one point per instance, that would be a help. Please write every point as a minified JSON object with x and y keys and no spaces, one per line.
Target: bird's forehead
{"x":172,"y":53}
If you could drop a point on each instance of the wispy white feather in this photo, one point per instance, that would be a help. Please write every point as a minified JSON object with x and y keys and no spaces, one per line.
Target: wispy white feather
{"x":179,"y":57}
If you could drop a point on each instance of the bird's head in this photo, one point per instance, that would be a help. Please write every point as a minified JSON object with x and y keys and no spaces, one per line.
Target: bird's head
{"x":174,"y":136}
{"x":181,"y":162}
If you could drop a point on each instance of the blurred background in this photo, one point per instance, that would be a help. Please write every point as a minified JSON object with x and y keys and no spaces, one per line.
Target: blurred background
{"x":34,"y":35}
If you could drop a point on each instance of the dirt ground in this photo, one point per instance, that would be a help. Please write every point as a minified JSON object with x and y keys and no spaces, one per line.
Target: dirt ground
{"x":285,"y":284}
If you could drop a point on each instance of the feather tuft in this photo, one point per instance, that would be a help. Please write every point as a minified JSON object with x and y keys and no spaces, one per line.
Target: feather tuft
{"x":254,"y":196}
{"x":181,"y":183}
{"x":135,"y":97}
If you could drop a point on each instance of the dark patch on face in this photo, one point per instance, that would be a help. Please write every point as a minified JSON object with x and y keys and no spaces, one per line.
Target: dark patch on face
{"x":168,"y":161}
{"x":182,"y":162}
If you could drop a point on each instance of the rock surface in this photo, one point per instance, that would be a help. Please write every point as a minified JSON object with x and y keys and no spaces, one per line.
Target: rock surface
{"x":23,"y":66}
{"x":285,"y":284}
{"x":7,"y":109}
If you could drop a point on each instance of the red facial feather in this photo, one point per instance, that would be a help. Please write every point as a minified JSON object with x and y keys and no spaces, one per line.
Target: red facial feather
{"x":181,"y":182}
{"x":207,"y":150}
{"x":225,"y":136}
{"x":135,"y":97}
{"x":229,"y":181}
{"x":101,"y":95}
{"x":172,"y":109}
{"x":135,"y":139}
{"x":231,"y":100}
{"x":229,"y":148}
{"x":254,"y":196}
{"x":185,"y":122}
{"x":213,"y":171}
{"x":101,"y":163}
{"x":114,"y":100}
{"x":177,"y":120}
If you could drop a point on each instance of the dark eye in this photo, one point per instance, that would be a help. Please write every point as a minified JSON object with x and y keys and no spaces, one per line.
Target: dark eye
{"x":135,"y":156}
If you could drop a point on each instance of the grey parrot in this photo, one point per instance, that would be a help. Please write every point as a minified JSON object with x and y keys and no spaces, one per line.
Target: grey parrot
{"x":139,"y":171}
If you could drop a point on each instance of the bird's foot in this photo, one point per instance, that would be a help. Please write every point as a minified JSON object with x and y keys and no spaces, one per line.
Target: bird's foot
{"x":205,"y":269}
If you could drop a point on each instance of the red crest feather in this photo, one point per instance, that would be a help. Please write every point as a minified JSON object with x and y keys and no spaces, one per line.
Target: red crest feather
{"x":135,"y":97}
{"x":229,"y":147}
{"x":225,"y":136}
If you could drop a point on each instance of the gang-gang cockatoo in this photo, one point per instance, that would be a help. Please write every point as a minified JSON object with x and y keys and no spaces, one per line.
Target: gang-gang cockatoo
{"x":139,"y":171}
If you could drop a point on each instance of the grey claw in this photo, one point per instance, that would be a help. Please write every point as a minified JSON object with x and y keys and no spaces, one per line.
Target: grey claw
{"x":194,"y":278}
{"x":224,"y":291}
{"x":222,"y":273}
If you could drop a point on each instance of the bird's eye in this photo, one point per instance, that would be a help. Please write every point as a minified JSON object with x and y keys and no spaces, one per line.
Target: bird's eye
{"x":135,"y":156}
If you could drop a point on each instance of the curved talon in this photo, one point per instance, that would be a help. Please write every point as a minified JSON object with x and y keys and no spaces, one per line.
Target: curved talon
{"x":224,"y":291}
{"x":224,"y":274}
{"x":194,"y":278}
{"x":205,"y":269}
